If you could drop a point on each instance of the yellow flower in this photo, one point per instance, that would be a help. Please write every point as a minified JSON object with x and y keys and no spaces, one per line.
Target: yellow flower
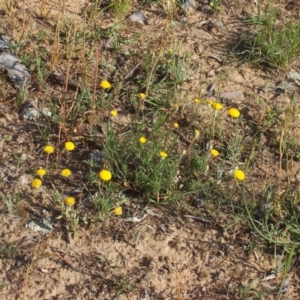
{"x":216,"y":105}
{"x":105,"y":175}
{"x":176,"y":125}
{"x":197,"y":100}
{"x":118,"y":211}
{"x":49,"y":149}
{"x":113,"y":113}
{"x":176,"y":105}
{"x":69,"y":146}
{"x":197,"y":133}
{"x":70,"y":201}
{"x":40,"y":172}
{"x":163,"y":154}
{"x":142,"y":95}
{"x":234,"y":113}
{"x":36,"y":183}
{"x":239,"y":175}
{"x":105,"y":84}
{"x":142,"y":140}
{"x":214,"y":152}
{"x":66,"y":173}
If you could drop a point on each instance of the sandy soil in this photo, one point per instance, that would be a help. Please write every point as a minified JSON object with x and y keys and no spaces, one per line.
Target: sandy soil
{"x":165,"y":256}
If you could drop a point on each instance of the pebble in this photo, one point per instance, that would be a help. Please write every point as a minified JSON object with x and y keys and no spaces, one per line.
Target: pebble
{"x":138,"y":16}
{"x":43,"y":225}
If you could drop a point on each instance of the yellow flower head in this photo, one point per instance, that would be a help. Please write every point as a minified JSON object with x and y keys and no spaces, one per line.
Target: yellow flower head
{"x":118,"y":211}
{"x":113,"y":113}
{"x":176,"y":125}
{"x":163,"y":154}
{"x":49,"y":149}
{"x":214,"y":152}
{"x":105,"y":175}
{"x":142,"y":95}
{"x":176,"y":105}
{"x":105,"y":84}
{"x":142,"y":140}
{"x":40,"y":172}
{"x":197,"y":133}
{"x":234,"y":112}
{"x":70,"y":201}
{"x":66,"y":173}
{"x":216,"y":105}
{"x":36,"y":183}
{"x":69,"y":146}
{"x":239,"y":175}
{"x":197,"y":100}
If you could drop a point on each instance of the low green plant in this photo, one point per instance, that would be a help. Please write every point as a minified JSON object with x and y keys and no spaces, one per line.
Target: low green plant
{"x":121,"y":7}
{"x":269,"y":43}
{"x":8,"y":250}
{"x":215,"y":5}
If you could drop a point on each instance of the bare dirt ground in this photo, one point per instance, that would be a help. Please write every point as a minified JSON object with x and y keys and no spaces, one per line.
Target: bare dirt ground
{"x":166,"y":255}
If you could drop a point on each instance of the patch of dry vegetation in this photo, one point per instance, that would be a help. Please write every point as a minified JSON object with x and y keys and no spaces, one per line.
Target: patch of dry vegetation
{"x":146,"y":119}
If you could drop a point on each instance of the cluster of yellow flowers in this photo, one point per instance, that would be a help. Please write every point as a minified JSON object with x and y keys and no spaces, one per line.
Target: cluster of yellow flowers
{"x":104,"y":175}
{"x":40,"y":172}
{"x":234,"y":113}
{"x":162,"y":154}
{"x":49,"y":149}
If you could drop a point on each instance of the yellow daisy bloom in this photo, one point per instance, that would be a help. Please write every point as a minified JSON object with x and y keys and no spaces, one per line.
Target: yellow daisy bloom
{"x":216,"y":105}
{"x":49,"y":149}
{"x":239,"y":175}
{"x":197,"y":100}
{"x":69,"y":146}
{"x":176,"y":125}
{"x":105,"y":175}
{"x":234,"y":112}
{"x":118,"y":211}
{"x":66,"y":173}
{"x":113,"y":113}
{"x":36,"y":183}
{"x":105,"y":84}
{"x":70,"y":201}
{"x":142,"y":140}
{"x":142,"y":95}
{"x":163,"y":154}
{"x":197,"y":133}
{"x":214,"y":152}
{"x":40,"y":172}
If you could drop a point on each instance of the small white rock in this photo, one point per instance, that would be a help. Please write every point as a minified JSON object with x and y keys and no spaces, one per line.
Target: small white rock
{"x":138,"y":16}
